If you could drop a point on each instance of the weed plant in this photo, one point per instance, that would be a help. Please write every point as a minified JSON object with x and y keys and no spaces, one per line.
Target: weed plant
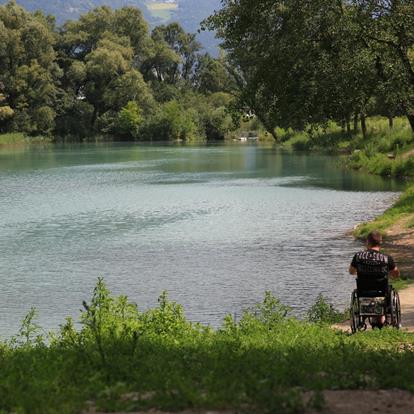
{"x":124,"y":359}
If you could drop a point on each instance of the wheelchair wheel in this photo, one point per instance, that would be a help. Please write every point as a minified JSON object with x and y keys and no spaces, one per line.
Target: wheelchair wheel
{"x":395,"y":309}
{"x":354,"y":311}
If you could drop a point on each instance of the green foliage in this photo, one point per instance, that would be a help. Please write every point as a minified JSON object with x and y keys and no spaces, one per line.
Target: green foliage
{"x":90,"y":76}
{"x":171,"y":121}
{"x":129,"y":120}
{"x":5,"y":111}
{"x":29,"y":331}
{"x":12,"y":139}
{"x":17,"y":138}
{"x":324,"y":312}
{"x":122,"y":359}
{"x":306,"y":63}
{"x":29,"y":73}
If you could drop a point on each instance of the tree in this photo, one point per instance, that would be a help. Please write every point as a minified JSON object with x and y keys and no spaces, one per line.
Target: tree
{"x":174,"y":54}
{"x":5,"y":111}
{"x":28,"y":68}
{"x":79,"y":38}
{"x":387,"y":28}
{"x":129,"y":120}
{"x":211,"y":75}
{"x":184,"y":45}
{"x":274,"y":52}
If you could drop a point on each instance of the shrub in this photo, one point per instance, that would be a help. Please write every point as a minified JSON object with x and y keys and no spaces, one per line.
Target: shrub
{"x":324,"y":312}
{"x":129,"y":120}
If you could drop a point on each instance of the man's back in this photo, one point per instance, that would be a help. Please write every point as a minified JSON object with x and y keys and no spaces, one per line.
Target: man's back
{"x":372,"y":264}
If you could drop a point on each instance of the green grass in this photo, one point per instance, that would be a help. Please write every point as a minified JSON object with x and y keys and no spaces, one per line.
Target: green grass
{"x":402,"y":283}
{"x":18,"y":138}
{"x":403,"y":207}
{"x":123,"y":359}
{"x":13,"y":138}
{"x":380,"y":139}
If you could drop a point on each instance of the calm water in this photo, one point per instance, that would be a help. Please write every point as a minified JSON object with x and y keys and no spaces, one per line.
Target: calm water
{"x":215,"y":226}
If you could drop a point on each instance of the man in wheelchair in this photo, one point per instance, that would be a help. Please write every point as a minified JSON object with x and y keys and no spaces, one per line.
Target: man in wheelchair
{"x":374,"y":299}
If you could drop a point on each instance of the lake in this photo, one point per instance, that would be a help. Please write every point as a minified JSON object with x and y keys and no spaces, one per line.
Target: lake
{"x":215,"y":225}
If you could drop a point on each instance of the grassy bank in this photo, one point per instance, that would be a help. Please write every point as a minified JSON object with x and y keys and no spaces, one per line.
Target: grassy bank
{"x":333,"y":137}
{"x":122,"y":359}
{"x":384,"y":151}
{"x":403,"y":208}
{"x":17,"y":138}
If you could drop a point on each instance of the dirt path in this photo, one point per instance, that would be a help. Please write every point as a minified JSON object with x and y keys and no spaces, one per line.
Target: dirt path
{"x":367,"y":401}
{"x":336,"y":402}
{"x":400,"y":244}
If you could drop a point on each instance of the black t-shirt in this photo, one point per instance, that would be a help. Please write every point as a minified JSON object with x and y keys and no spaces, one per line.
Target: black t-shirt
{"x":372,"y":264}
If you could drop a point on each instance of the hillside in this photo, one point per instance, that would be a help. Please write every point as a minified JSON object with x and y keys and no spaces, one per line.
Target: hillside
{"x":189,"y":13}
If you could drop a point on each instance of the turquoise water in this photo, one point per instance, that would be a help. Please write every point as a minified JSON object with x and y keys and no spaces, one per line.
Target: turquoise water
{"x":216,"y":226}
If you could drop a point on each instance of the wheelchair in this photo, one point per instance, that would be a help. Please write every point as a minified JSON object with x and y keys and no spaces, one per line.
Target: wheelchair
{"x":372,"y":299}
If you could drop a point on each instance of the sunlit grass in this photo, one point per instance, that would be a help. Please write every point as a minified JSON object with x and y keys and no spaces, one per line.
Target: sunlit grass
{"x":12,"y":138}
{"x":17,"y":138}
{"x":402,"y":208}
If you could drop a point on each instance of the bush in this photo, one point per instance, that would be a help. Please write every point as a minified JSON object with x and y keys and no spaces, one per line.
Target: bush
{"x":301,"y":142}
{"x":324,"y":312}
{"x":171,"y":121}
{"x":128,"y":121}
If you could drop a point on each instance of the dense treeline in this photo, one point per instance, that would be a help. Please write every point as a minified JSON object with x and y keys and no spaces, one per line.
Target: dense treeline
{"x":106,"y":73}
{"x":303,"y":63}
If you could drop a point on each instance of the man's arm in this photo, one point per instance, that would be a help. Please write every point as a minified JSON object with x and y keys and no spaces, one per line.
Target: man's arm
{"x":395,"y":273}
{"x":353,"y":266}
{"x":393,"y":269}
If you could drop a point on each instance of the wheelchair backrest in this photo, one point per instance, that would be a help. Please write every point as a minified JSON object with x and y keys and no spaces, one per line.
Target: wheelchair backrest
{"x":372,"y":287}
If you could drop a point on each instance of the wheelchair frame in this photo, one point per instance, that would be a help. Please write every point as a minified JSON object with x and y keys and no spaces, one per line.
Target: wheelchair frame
{"x":391,"y":310}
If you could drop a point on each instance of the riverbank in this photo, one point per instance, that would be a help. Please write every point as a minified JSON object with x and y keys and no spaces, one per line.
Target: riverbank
{"x":397,"y":225}
{"x":383,"y":151}
{"x":20,"y":139}
{"x":125,"y":360}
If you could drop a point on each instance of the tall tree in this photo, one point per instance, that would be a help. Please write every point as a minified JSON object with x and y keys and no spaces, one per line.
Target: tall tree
{"x":185,"y":48}
{"x":28,"y":68}
{"x":387,"y":27}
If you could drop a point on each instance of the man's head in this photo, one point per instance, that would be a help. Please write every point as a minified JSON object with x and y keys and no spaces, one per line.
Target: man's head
{"x":374,"y":239}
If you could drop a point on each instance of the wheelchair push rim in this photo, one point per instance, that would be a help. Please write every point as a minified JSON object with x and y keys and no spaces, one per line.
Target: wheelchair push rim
{"x":395,"y":309}
{"x":357,"y":324}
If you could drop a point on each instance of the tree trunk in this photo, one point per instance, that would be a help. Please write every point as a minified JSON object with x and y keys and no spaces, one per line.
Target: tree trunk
{"x":343,"y":126}
{"x":390,"y":121}
{"x":356,"y":127}
{"x":348,"y":126}
{"x":364,"y":125}
{"x":273,"y":133}
{"x":94,"y":116}
{"x":411,"y":120}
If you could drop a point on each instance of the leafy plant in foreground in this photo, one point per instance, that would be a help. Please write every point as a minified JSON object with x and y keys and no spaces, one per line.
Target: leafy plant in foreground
{"x":324,"y":312}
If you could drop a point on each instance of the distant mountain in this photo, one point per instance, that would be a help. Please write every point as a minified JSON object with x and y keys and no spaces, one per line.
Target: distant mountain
{"x":189,"y":13}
